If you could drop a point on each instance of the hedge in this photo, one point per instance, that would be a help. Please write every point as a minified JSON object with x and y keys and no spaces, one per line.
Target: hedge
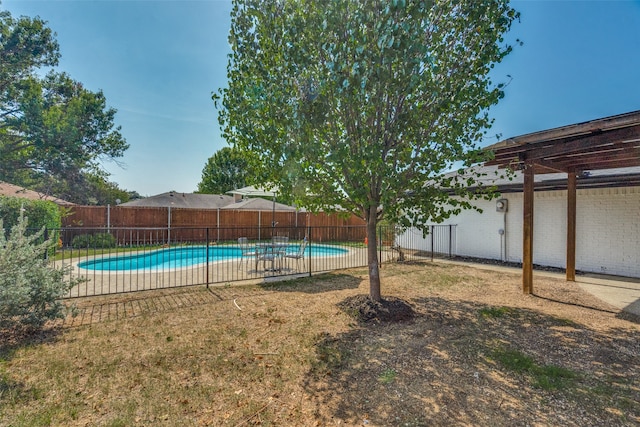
{"x":40,"y":213}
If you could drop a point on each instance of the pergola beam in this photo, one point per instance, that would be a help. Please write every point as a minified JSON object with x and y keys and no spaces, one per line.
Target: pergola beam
{"x":571,"y":226}
{"x":569,"y":145}
{"x":527,"y":229}
{"x":607,"y":143}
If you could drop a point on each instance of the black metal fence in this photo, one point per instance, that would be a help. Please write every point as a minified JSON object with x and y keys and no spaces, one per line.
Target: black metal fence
{"x":118,"y":260}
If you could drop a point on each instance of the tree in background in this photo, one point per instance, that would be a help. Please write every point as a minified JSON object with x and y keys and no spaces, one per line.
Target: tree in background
{"x":88,"y":188}
{"x":106,"y":192}
{"x":228,"y":169}
{"x":365,"y":105}
{"x":53,"y":131}
{"x":41,"y":213}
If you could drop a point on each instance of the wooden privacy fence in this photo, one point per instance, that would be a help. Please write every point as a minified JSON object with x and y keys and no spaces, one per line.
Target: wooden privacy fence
{"x":183,"y":224}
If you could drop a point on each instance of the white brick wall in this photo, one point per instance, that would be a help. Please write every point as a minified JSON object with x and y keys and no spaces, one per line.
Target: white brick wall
{"x":607,"y":229}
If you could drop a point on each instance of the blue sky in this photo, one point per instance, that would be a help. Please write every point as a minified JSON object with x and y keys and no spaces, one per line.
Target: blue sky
{"x":157,"y":62}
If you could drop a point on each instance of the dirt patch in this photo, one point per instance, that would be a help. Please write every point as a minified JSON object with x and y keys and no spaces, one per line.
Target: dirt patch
{"x":364,"y":309}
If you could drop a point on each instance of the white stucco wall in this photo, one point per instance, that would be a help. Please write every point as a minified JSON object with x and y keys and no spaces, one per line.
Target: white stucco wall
{"x":607,"y":229}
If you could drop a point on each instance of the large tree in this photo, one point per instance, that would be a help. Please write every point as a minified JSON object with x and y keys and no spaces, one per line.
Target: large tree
{"x":365,"y":105}
{"x":86,"y":188}
{"x":228,"y":169}
{"x":52,"y":129}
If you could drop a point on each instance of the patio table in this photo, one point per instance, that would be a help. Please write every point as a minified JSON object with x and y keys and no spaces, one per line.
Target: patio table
{"x":270,"y":251}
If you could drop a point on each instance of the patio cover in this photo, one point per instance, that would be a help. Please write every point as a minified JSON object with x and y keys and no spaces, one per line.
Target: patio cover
{"x":606,"y":143}
{"x":259,"y":204}
{"x":252,"y":191}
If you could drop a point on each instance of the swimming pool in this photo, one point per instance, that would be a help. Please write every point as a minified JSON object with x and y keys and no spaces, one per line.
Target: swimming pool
{"x":186,"y":256}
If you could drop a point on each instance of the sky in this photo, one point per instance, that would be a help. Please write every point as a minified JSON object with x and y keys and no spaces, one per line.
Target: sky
{"x":158,"y":62}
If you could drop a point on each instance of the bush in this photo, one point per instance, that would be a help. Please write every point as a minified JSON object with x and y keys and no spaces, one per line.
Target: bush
{"x":100,"y":240}
{"x":30,"y":288}
{"x":41,"y":213}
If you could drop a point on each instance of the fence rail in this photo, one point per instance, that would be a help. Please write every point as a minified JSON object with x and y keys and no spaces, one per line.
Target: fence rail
{"x":171,"y":217}
{"x":118,"y":260}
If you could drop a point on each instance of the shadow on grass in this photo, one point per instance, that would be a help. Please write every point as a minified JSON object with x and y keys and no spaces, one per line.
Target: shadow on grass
{"x":624,"y":315}
{"x":629,"y":317}
{"x":123,"y":306}
{"x":447,"y":368}
{"x":574,"y":304}
{"x":314,"y":285}
{"x":14,"y":339}
{"x":106,"y":308}
{"x":13,"y":391}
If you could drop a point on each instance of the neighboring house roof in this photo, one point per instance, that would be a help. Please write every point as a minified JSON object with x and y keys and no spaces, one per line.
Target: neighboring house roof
{"x":182,"y":200}
{"x":11,"y":190}
{"x":259,"y":204}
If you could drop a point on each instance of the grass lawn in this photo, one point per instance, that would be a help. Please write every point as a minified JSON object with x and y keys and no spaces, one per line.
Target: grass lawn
{"x":478,"y":352}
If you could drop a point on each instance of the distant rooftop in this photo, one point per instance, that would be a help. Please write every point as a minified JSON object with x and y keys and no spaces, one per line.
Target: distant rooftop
{"x":11,"y":190}
{"x":259,"y":204}
{"x":183,"y":200}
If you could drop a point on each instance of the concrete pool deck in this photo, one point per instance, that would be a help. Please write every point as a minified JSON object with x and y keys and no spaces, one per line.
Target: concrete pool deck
{"x":101,"y":282}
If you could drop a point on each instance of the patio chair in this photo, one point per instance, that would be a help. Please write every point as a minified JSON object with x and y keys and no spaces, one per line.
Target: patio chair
{"x":272,"y":252}
{"x":299,"y":254}
{"x":280,"y":245}
{"x":247,"y":250}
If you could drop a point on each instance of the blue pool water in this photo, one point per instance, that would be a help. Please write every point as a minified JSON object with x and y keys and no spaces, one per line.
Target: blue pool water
{"x":185,"y":256}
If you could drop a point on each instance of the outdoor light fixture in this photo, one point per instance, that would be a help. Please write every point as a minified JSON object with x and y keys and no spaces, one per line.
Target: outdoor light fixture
{"x":501,"y":205}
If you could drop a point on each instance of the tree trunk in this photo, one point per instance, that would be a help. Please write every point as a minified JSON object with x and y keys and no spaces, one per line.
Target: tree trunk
{"x":372,"y":259}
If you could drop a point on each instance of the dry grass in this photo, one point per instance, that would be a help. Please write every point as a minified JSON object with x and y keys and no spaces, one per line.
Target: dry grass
{"x":478,"y":353}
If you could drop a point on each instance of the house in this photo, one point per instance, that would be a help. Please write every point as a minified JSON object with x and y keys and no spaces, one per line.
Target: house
{"x":11,"y":190}
{"x":176,"y":199}
{"x":574,"y":199}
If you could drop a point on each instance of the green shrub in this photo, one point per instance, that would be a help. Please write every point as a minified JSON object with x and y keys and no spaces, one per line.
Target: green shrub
{"x":82,"y":241}
{"x":41,"y":213}
{"x":99,"y":240}
{"x":30,"y":288}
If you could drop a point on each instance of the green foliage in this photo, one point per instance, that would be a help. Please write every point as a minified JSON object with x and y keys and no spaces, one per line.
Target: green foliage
{"x":53,"y":131}
{"x":97,"y":241}
{"x":387,"y":376}
{"x":364,"y":106}
{"x":495,"y":312}
{"x":228,"y":169}
{"x":547,"y":377}
{"x":359,"y":103}
{"x":41,"y":213}
{"x":93,"y":188}
{"x":30,"y":288}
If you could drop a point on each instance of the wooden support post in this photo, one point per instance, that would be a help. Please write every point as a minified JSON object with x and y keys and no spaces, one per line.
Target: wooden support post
{"x":571,"y":227}
{"x":527,"y":227}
